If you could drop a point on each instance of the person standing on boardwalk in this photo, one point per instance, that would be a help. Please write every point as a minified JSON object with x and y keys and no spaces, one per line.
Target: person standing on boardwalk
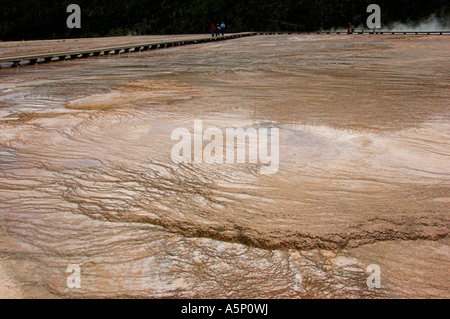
{"x":213,"y":30}
{"x":217,"y":30}
{"x":222,"y":28}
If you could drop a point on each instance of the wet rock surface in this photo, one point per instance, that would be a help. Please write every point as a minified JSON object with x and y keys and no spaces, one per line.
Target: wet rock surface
{"x":86,"y":175}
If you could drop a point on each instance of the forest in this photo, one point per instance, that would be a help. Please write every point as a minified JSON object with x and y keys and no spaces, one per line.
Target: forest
{"x":45,"y":19}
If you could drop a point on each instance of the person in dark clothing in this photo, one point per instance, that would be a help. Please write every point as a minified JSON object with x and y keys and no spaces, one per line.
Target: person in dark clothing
{"x":217,"y":30}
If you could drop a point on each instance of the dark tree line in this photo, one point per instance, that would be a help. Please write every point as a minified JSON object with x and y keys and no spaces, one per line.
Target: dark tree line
{"x":45,"y":19}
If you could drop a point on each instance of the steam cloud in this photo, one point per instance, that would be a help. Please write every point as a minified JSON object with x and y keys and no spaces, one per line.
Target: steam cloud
{"x":432,"y":23}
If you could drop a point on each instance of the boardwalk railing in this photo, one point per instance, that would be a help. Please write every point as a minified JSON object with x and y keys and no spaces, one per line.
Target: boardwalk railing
{"x":15,"y":61}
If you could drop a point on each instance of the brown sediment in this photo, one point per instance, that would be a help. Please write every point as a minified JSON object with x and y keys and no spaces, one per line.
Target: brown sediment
{"x":23,"y":118}
{"x":150,"y":92}
{"x":419,"y":262}
{"x":9,"y":288}
{"x":363,"y":176}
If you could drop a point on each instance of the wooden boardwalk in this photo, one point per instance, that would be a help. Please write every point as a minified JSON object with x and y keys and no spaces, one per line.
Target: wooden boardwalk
{"x":368,"y":32}
{"x":14,"y":61}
